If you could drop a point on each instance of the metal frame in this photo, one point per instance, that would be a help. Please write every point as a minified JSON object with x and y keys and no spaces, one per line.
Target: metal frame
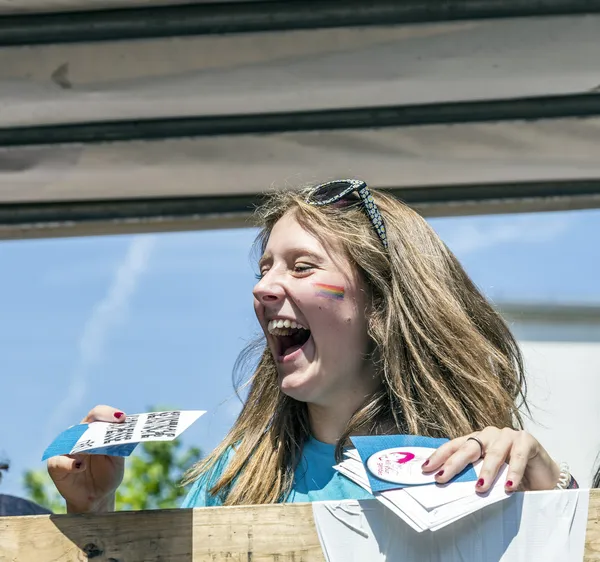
{"x":81,"y":218}
{"x":65,"y":218}
{"x":541,"y":107}
{"x":250,"y":17}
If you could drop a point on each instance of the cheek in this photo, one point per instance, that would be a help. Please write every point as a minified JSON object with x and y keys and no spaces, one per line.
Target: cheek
{"x":328,"y":292}
{"x":331,"y":307}
{"x":259,"y":311}
{"x":338,"y":317}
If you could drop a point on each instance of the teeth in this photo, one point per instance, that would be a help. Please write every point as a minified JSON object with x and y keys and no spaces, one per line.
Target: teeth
{"x":283,"y":327}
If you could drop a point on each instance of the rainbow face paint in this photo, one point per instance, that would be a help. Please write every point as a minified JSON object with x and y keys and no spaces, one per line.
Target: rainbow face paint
{"x":329,"y":291}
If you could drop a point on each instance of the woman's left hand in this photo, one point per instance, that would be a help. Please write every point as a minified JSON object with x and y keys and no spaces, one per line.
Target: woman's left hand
{"x":530,"y":466}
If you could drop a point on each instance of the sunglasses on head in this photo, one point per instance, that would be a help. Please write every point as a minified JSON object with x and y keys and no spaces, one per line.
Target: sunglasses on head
{"x":338,"y":190}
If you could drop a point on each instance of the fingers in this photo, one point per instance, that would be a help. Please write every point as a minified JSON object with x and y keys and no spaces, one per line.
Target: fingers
{"x":496,"y":454}
{"x":104,"y":414}
{"x":445,"y":452}
{"x":520,"y":454}
{"x":453,"y":457}
{"x":501,"y":446}
{"x":62,"y":466}
{"x":468,"y":453}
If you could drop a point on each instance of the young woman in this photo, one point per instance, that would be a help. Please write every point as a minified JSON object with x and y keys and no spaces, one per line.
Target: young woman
{"x":372,"y":327}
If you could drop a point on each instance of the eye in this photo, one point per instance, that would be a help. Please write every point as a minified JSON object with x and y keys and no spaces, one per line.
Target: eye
{"x":263,"y":271}
{"x":301,"y":268}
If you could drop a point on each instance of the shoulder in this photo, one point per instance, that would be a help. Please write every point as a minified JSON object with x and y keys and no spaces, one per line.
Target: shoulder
{"x":11,"y":505}
{"x":199,"y":496}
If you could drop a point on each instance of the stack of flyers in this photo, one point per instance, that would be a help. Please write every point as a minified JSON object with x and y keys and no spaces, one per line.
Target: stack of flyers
{"x":394,"y":476}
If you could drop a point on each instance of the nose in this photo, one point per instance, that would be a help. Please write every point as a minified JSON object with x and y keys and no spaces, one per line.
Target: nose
{"x":268,"y":290}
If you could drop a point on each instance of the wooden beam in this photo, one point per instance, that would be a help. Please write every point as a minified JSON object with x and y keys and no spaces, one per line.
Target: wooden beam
{"x":31,"y":7}
{"x":212,"y":182}
{"x":162,"y":119}
{"x":592,"y":537}
{"x":134,"y":216}
{"x":258,"y":534}
{"x":537,"y":108}
{"x":303,"y":70}
{"x":493,"y":8}
{"x":395,"y":157}
{"x":250,"y":17}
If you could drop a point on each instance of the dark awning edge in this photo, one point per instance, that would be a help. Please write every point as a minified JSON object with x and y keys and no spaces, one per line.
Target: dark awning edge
{"x":542,"y":107}
{"x":84,"y":218}
{"x":245,"y":17}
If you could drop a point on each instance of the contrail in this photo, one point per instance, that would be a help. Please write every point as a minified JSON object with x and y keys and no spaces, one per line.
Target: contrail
{"x":106,"y":314}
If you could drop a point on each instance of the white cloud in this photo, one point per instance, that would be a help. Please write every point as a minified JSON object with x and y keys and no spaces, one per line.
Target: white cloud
{"x":77,"y":273}
{"x":105,"y":315}
{"x":492,"y":231}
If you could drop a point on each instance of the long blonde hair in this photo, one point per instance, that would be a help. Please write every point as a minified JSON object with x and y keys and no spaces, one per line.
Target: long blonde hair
{"x":448,"y":363}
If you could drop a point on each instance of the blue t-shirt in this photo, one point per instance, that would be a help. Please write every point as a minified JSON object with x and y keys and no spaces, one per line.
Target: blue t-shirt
{"x":314,"y":480}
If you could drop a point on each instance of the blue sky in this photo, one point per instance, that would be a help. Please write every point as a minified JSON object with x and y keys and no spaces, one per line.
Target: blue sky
{"x":134,"y":321}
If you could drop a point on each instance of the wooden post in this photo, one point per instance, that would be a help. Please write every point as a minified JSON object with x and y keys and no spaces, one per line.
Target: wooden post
{"x":267,"y":533}
{"x":592,"y":535}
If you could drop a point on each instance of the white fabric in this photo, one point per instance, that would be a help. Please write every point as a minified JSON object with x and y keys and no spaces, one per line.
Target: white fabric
{"x":548,"y":526}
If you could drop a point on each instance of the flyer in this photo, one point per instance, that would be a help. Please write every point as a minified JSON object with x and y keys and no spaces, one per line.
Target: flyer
{"x":120,"y":439}
{"x":394,"y":461}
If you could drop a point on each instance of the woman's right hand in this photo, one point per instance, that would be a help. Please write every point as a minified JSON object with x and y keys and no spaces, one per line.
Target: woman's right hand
{"x":89,"y":482}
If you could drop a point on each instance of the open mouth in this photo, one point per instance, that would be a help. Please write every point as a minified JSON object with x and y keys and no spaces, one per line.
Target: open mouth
{"x":289,"y":336}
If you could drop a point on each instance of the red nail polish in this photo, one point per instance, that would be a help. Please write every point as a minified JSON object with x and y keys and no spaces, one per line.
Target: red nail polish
{"x":426,"y":462}
{"x":119,"y":415}
{"x":78,"y":464}
{"x":480,"y":482}
{"x":440,"y":473}
{"x":509,"y":484}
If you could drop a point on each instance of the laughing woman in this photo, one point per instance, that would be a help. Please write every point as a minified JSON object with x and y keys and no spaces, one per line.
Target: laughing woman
{"x":372,"y":327}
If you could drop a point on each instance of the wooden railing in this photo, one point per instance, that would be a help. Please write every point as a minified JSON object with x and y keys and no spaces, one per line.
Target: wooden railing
{"x":281,"y":533}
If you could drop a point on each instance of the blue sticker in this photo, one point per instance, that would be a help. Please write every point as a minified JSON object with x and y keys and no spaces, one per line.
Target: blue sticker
{"x":123,"y":450}
{"x":370,"y":444}
{"x":64,"y":443}
{"x":67,"y":440}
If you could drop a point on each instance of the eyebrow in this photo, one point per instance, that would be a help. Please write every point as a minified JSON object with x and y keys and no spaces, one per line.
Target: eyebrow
{"x":264,"y":259}
{"x":295,"y":252}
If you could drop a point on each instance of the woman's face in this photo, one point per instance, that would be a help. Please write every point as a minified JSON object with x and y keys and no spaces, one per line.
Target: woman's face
{"x":311,"y":307}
